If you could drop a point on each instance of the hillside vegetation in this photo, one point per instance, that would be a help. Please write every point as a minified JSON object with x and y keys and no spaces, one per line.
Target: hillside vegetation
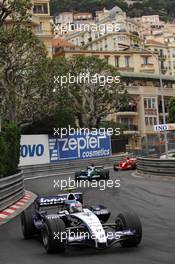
{"x":166,"y":9}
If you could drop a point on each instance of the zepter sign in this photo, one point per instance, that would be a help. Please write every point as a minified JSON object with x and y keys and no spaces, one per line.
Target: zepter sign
{"x":79,"y":146}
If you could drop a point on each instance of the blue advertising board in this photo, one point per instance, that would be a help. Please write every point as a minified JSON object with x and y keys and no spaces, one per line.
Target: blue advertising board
{"x":79,"y":146}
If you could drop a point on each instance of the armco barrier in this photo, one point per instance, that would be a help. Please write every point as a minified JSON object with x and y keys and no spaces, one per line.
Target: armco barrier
{"x":54,"y":168}
{"x":12,"y":187}
{"x":157,"y":167}
{"x":11,"y":190}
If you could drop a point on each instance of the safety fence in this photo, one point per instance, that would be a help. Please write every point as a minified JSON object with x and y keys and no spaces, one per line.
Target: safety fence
{"x":56,"y":168}
{"x":11,"y":190}
{"x":157,"y":167}
{"x":12,"y":187}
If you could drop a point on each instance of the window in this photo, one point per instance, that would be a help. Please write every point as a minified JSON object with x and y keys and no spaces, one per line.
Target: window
{"x":145,"y":60}
{"x":162,"y":65}
{"x":150,"y":121}
{"x":146,"y":121}
{"x":106,"y":45}
{"x":145,"y":103}
{"x":40,"y":8}
{"x":155,"y":121}
{"x":127,"y":60}
{"x":150,"y":103}
{"x":106,"y":58}
{"x":173,"y":53}
{"x":117,"y":58}
{"x":173,"y":64}
{"x":40,"y":28}
{"x":161,"y":53}
{"x":153,"y":105}
{"x":125,"y":121}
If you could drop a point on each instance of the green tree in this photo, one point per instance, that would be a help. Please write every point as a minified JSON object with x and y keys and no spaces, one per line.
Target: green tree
{"x":9,"y":149}
{"x":18,"y":11}
{"x":62,"y":118}
{"x":85,"y":6}
{"x":91,"y":100}
{"x":166,"y":9}
{"x":20,"y":54}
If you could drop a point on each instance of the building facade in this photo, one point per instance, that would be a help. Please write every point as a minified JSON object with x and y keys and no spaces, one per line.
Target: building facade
{"x":136,"y":55}
{"x":140,"y":75}
{"x":41,"y":23}
{"x":109,"y":30}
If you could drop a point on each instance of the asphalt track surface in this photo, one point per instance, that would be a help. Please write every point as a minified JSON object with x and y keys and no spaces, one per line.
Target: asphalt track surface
{"x":153,"y":200}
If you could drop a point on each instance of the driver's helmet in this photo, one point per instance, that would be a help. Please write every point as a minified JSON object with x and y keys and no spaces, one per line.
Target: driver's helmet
{"x":74,"y":207}
{"x":92,"y":167}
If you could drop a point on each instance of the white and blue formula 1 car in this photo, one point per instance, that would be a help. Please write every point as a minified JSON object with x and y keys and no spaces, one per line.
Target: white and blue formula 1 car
{"x":92,"y":173}
{"x":62,"y":221}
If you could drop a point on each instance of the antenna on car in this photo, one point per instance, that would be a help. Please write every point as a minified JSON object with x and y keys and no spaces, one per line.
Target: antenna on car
{"x":69,"y":189}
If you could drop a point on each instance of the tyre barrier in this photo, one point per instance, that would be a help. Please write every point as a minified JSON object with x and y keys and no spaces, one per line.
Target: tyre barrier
{"x":52,"y":169}
{"x":156,"y":167}
{"x":11,"y":190}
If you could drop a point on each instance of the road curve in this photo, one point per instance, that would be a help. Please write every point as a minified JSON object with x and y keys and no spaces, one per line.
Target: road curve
{"x":153,"y":200}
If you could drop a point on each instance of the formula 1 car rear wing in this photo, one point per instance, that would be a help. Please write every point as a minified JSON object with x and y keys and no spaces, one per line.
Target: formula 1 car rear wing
{"x":58,"y":199}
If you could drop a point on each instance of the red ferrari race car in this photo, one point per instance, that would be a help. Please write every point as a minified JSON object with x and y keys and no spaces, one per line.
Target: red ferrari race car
{"x":126,"y":163}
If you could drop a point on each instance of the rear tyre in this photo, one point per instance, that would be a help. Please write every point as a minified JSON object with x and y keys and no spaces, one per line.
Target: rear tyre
{"x":77,"y":174}
{"x":104,"y":175}
{"x":28,"y":228}
{"x":132,"y":222}
{"x":134,"y":167}
{"x":52,"y":236}
{"x":107,"y":175}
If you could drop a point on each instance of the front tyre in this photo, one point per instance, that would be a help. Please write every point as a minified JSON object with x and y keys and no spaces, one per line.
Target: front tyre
{"x":115,"y":167}
{"x":132,"y":222}
{"x":53,"y":236}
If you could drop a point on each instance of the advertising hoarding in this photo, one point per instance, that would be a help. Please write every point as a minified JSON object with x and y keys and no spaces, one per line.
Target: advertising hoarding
{"x":79,"y":147}
{"x":34,"y":150}
{"x":164,"y":127}
{"x":42,"y":149}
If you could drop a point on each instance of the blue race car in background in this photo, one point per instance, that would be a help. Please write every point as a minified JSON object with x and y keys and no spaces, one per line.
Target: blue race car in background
{"x":62,"y":221}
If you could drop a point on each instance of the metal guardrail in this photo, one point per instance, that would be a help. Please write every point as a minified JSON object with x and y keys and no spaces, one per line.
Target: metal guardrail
{"x":12,"y":187}
{"x":157,"y":167}
{"x":11,"y":190}
{"x":55,"y":168}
